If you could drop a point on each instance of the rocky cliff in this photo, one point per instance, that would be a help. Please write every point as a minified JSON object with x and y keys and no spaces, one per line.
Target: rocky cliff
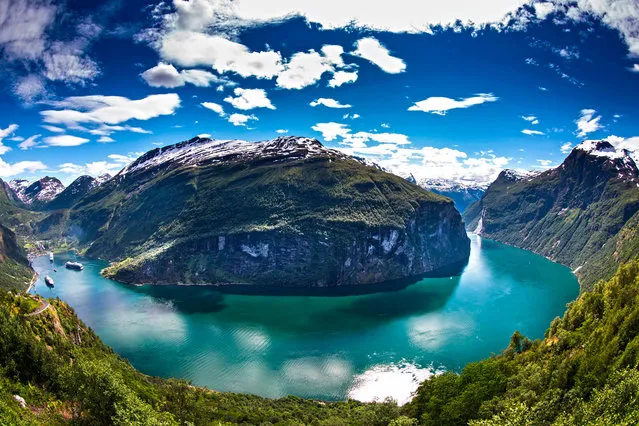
{"x":287,"y":212}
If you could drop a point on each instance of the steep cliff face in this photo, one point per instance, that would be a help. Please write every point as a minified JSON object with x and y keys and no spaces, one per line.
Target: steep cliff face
{"x":569,"y":213}
{"x":286,"y":212}
{"x":15,"y":272}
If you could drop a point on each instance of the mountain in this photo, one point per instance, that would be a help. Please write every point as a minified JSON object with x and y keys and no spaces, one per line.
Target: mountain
{"x":569,"y":214}
{"x":39,"y":193}
{"x":462,"y":194}
{"x":15,"y":272}
{"x":287,"y":212}
{"x":74,"y":192}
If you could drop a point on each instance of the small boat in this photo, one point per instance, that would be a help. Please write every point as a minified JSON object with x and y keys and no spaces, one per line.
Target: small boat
{"x":48,"y":281}
{"x":51,"y":257}
{"x":74,"y":265}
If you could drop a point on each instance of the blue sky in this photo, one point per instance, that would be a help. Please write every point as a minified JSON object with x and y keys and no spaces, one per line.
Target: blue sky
{"x":457,"y":91}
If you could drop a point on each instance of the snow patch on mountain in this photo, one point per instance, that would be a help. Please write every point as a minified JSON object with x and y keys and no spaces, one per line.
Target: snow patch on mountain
{"x":41,"y":191}
{"x":519,"y":174}
{"x":198,"y":151}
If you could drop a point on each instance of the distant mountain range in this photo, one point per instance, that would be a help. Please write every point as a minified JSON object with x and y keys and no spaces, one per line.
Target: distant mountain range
{"x":463,"y":194}
{"x":583,"y":213}
{"x":49,"y":193}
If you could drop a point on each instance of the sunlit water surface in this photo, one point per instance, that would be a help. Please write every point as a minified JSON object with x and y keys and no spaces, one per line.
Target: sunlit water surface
{"x":365,"y":347}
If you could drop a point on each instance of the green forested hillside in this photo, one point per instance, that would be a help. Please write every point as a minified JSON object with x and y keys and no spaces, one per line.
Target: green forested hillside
{"x":570,"y":213}
{"x":15,"y":273}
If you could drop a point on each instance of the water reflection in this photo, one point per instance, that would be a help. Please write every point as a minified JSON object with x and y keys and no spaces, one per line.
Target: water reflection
{"x":324,"y":347}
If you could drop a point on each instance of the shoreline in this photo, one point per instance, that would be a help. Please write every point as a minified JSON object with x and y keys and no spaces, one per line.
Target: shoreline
{"x":34,"y":279}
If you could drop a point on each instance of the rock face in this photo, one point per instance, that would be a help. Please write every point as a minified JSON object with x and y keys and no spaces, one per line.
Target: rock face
{"x":15,"y":272}
{"x":287,"y":212}
{"x":569,"y":213}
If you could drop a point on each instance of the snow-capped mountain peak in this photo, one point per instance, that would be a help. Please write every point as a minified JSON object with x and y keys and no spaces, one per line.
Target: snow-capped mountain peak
{"x":40,"y":191}
{"x":600,"y":149}
{"x":198,"y":151}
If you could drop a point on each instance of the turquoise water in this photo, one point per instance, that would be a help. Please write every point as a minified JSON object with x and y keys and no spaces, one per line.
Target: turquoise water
{"x":366,"y":347}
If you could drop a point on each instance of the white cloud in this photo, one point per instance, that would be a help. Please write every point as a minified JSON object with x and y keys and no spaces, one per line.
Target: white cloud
{"x":65,"y":140}
{"x":566,"y":148}
{"x":441,"y":105}
{"x":635,"y":68}
{"x":241,"y":119}
{"x":342,"y":77}
{"x":544,"y":164}
{"x":329,"y":103}
{"x":191,"y":49}
{"x":112,"y":165}
{"x":67,"y":64}
{"x":167,"y":76}
{"x":163,"y":75}
{"x":202,"y":78}
{"x":29,"y":143}
{"x":281,"y":131}
{"x":304,"y":69}
{"x":543,"y":9}
{"x":618,"y":14}
{"x":106,"y":130}
{"x":393,"y":152}
{"x":246,"y":99}
{"x":110,"y":109}
{"x":398,"y":16}
{"x":105,"y":139}
{"x":532,"y":132}
{"x":531,"y":119}
{"x":53,"y":129}
{"x":330,"y":131}
{"x":29,"y":88}
{"x":351,"y":116}
{"x":27,"y":40}
{"x":587,"y":122}
{"x":217,"y":108}
{"x":4,"y":133}
{"x":19,"y":168}
{"x":543,"y":89}
{"x":372,"y":50}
